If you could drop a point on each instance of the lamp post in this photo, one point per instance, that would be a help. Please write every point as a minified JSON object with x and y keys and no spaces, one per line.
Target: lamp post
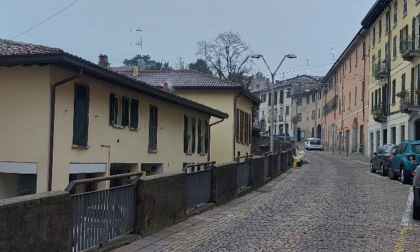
{"x":257,"y":56}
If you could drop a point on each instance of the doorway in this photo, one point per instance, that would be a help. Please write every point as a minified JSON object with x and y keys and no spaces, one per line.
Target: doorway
{"x":318,"y":131}
{"x":417,"y":129}
{"x":298,"y":134}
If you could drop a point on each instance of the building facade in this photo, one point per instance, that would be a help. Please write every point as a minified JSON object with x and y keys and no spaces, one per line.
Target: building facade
{"x":394,"y":86}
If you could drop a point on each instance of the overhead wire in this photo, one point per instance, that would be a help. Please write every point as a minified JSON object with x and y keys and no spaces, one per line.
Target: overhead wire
{"x":45,"y":20}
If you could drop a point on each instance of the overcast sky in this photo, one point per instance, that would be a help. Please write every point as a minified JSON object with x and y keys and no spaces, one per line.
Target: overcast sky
{"x":172,"y":28}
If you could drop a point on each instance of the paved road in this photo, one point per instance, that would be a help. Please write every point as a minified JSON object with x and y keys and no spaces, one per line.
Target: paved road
{"x":332,"y":204}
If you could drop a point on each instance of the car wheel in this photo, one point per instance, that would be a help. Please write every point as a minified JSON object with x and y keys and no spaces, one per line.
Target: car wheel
{"x":403,"y":177}
{"x":371,"y":167}
{"x":391,"y":174}
{"x":384,"y":172}
{"x":416,"y":211}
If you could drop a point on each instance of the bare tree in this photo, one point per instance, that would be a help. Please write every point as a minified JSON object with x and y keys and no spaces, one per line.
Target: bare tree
{"x":227,"y":55}
{"x":180,"y":63}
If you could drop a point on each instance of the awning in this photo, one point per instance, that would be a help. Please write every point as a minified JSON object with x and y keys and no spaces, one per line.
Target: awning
{"x":18,"y":167}
{"x":87,"y":168}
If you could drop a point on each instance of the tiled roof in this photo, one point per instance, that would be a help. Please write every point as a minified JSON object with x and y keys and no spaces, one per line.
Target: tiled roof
{"x":9,"y":47}
{"x":183,"y":78}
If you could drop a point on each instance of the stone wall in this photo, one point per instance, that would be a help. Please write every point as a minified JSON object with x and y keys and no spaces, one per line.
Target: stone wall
{"x":224,"y":182}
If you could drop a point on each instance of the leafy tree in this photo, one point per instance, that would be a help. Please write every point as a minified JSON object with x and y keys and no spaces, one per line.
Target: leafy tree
{"x":201,"y":66}
{"x":147,"y":63}
{"x":260,"y":76}
{"x":227,"y":55}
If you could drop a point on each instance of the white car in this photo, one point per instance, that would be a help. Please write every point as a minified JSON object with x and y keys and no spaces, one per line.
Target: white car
{"x":313,"y":144}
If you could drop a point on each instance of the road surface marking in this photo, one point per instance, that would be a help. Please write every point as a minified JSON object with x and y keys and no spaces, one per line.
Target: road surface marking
{"x":399,"y":245}
{"x":376,"y":175}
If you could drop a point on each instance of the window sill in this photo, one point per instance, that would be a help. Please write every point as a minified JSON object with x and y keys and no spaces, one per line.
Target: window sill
{"x":189,"y":153}
{"x":153,"y":151}
{"x":80,"y":147}
{"x":203,"y":154}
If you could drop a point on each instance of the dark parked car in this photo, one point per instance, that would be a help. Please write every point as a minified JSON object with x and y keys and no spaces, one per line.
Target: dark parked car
{"x":416,"y":189}
{"x":283,"y":136}
{"x":381,"y":159}
{"x":401,"y":164}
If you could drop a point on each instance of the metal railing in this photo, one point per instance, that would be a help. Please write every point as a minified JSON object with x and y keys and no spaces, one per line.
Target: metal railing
{"x":409,"y":101}
{"x":100,"y":216}
{"x":409,"y":44}
{"x":198,"y":183}
{"x":380,"y":69}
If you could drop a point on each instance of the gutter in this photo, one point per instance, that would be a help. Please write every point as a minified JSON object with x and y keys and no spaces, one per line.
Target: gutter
{"x":208,"y":155}
{"x":52,"y":119}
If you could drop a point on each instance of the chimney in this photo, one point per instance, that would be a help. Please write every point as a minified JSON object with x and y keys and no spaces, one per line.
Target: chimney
{"x":165,"y":86}
{"x":135,"y":71}
{"x":101,"y":60}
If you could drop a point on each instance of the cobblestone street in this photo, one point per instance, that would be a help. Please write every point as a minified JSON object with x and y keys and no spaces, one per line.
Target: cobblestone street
{"x":332,"y":204}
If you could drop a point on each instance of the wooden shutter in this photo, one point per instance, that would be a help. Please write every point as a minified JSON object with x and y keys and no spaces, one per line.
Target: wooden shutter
{"x":81,"y":115}
{"x":193,"y":134}
{"x":200,"y":142}
{"x":112,"y":109}
{"x":185,"y":134}
{"x":125,"y":111}
{"x":250,"y":128}
{"x":237,"y":123}
{"x":206,"y":137}
{"x":242,"y":124}
{"x":153,"y":126}
{"x":134,"y":114}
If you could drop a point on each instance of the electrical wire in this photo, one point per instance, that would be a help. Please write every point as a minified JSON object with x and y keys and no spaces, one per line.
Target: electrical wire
{"x":35,"y":26}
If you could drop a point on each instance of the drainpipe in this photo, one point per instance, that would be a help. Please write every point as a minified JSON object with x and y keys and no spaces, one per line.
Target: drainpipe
{"x":208,"y":155}
{"x":234,"y":125}
{"x":52,"y":118}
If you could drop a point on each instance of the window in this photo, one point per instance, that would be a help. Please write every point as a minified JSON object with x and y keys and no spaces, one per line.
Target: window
{"x":349,"y":100}
{"x":350,"y":65}
{"x":403,"y":81}
{"x":206,"y":137}
{"x":403,"y":36}
{"x":269,"y":99}
{"x":81,"y":115}
{"x":394,"y":47}
{"x":355,"y":96}
{"x":123,"y":112}
{"x":275,"y":98}
{"x":264,"y":97}
{"x":395,"y":12}
{"x":386,"y":50}
{"x":187,"y":134}
{"x":405,"y":8}
{"x":313,"y":114}
{"x":402,"y":133}
{"x":200,"y":149}
{"x":313,"y":97}
{"x":373,"y":63}
{"x":307,"y":99}
{"x":281,"y":97}
{"x":371,"y":102}
{"x":393,"y":135}
{"x":243,"y":127}
{"x":357,"y":58}
{"x":287,"y":110}
{"x":153,"y":127}
{"x":373,"y":37}
{"x":394,"y":87}
{"x":387,"y":22}
{"x":380,"y":30}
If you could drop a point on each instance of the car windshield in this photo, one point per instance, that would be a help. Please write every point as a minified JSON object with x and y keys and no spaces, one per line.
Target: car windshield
{"x":316,"y":142}
{"x":388,"y":148}
{"x":415,"y":148}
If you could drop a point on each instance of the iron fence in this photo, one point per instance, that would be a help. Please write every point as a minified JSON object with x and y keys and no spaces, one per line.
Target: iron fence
{"x":100,"y":216}
{"x":266,"y":166}
{"x":243,"y":171}
{"x":198,"y":183}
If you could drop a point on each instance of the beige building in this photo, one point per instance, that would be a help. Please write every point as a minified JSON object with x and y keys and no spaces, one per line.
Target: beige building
{"x":229,"y":137}
{"x":65,"y":118}
{"x":346,"y":107}
{"x":395,"y":71}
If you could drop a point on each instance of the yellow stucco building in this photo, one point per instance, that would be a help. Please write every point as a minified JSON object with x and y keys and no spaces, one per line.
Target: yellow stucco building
{"x":65,"y":118}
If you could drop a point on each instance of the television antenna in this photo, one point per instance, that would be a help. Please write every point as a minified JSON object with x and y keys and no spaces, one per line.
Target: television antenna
{"x":139,"y":43}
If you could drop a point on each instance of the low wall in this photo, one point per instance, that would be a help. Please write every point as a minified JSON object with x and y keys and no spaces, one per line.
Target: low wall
{"x":256,"y":171}
{"x":38,"y":222}
{"x":161,"y":202}
{"x":224,"y":182}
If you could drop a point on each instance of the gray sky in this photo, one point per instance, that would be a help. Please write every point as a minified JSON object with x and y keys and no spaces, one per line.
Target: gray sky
{"x":172,"y":28}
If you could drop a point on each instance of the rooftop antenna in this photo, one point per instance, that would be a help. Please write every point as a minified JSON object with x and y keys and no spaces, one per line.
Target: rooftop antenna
{"x":139,"y":43}
{"x":333,"y":53}
{"x":307,"y":63}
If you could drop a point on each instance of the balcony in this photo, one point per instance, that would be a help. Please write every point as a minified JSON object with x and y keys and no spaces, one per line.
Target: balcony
{"x":380,"y":70}
{"x":410,"y":47}
{"x":378,"y":113}
{"x":409,"y":102}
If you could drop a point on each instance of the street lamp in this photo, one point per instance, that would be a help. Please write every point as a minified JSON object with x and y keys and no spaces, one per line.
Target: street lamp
{"x":257,"y":56}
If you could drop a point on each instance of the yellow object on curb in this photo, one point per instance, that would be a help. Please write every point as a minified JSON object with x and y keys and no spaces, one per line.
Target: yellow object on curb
{"x":294,"y":164}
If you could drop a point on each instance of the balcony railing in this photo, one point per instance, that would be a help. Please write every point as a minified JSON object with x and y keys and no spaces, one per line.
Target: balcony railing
{"x":378,"y":113}
{"x":409,"y":101}
{"x":381,"y":69}
{"x":410,"y":47}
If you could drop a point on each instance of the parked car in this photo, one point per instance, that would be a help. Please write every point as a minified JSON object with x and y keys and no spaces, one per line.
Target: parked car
{"x":283,"y":137}
{"x":401,"y":165}
{"x":314,"y":144}
{"x":307,"y":142}
{"x":381,"y":159}
{"x":416,"y":190}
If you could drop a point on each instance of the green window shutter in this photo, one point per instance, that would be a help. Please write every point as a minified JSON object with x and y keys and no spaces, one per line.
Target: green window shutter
{"x":134,"y":114}
{"x":81,"y":115}
{"x":193,"y":134}
{"x":111,"y":109}
{"x":153,"y":126}
{"x":125,"y":111}
{"x":200,"y":143}
{"x":185,"y":133}
{"x":206,"y":137}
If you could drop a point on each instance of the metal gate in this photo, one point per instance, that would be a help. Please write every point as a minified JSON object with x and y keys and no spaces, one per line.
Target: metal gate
{"x":266,"y":166}
{"x":243,"y":171}
{"x":198,"y":183}
{"x":100,"y":216}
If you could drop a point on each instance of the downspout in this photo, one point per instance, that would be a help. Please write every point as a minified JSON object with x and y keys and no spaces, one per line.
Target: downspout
{"x":208,"y":155}
{"x":234,"y":124}
{"x":52,"y":119}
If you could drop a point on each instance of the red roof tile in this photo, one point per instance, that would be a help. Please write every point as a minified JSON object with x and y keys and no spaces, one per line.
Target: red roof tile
{"x":9,"y":47}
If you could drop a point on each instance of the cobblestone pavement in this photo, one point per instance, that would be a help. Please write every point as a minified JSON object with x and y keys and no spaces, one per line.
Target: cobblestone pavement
{"x":331,"y":204}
